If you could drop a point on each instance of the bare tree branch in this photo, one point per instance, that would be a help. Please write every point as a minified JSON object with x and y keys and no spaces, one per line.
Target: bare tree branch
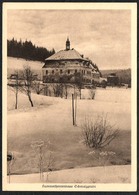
{"x":98,"y":133}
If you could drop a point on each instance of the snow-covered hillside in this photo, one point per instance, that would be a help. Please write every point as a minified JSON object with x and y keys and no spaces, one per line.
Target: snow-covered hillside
{"x":14,"y":64}
{"x":51,"y":119}
{"x":48,"y":109}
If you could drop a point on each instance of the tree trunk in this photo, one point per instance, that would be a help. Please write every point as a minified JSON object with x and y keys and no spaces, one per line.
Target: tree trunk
{"x":29,"y":97}
{"x":16,"y":100}
{"x":80,"y":94}
{"x":66,"y":92}
{"x":73,"y":108}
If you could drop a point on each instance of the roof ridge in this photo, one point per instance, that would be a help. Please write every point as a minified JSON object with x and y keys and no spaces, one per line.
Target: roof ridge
{"x":70,"y":54}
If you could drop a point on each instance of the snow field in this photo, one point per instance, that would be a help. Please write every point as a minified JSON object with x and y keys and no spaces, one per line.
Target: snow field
{"x":53,"y":116}
{"x":18,"y":63}
{"x":109,"y":174}
{"x":55,"y":113}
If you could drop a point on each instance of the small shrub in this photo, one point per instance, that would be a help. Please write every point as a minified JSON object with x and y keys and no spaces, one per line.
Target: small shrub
{"x":102,"y":157}
{"x":43,"y":161}
{"x":98,"y":133}
{"x":92,"y":93}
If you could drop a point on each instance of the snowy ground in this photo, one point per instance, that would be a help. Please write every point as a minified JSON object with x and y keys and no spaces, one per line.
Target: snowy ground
{"x":53,"y":115}
{"x":18,"y":63}
{"x":109,"y":174}
{"x":52,"y":112}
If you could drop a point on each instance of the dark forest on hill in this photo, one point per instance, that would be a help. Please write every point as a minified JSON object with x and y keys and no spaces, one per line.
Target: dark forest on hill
{"x":27,"y":50}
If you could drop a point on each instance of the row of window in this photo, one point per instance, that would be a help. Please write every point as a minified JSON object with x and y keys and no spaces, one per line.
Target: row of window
{"x":45,"y":79}
{"x":69,"y":71}
{"x":86,"y":72}
{"x":61,"y":71}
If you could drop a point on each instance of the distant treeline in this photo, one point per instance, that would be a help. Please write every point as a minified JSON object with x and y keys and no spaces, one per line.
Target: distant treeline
{"x":123,"y":75}
{"x":27,"y":50}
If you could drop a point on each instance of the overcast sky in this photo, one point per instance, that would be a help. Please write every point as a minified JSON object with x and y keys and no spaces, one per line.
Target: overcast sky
{"x":101,"y":35}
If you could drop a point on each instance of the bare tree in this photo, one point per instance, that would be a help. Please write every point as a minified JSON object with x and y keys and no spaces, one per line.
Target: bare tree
{"x":39,"y":87}
{"x":14,"y":83}
{"x":79,"y":82}
{"x":64,"y":81}
{"x":38,"y":147}
{"x":49,"y":164}
{"x":58,"y":89}
{"x":92,"y":93}
{"x":98,"y":133}
{"x":28,"y":78}
{"x":45,"y":159}
{"x":65,"y":90}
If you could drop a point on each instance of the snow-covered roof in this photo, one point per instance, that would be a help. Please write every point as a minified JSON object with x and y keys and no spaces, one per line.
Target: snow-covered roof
{"x":70,"y":54}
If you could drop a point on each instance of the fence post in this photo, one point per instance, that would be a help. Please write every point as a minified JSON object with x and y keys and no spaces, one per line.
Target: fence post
{"x":17,"y":83}
{"x":73,"y":107}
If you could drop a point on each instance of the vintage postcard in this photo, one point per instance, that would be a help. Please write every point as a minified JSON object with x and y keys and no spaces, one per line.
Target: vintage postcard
{"x":69,"y":96}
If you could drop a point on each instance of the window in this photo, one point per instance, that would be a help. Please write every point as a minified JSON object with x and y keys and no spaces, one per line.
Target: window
{"x":75,"y":71}
{"x":61,"y":79}
{"x":61,"y":71}
{"x":68,"y":71}
{"x":52,"y":71}
{"x":46,"y":71}
{"x":88,"y":72}
{"x":44,"y":79}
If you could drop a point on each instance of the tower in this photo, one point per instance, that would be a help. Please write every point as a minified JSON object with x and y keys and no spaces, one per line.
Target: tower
{"x":67,"y":44}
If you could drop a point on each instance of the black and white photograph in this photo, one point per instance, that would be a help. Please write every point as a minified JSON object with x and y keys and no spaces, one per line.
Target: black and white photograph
{"x":69,"y":100}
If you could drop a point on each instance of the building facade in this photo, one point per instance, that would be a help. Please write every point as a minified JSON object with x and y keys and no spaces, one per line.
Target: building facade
{"x":67,"y":65}
{"x":112,"y":79}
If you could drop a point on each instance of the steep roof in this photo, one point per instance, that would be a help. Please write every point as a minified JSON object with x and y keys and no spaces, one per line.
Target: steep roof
{"x":70,"y":54}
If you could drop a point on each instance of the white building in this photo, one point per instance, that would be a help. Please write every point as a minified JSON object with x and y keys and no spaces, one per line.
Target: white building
{"x":66,"y":65}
